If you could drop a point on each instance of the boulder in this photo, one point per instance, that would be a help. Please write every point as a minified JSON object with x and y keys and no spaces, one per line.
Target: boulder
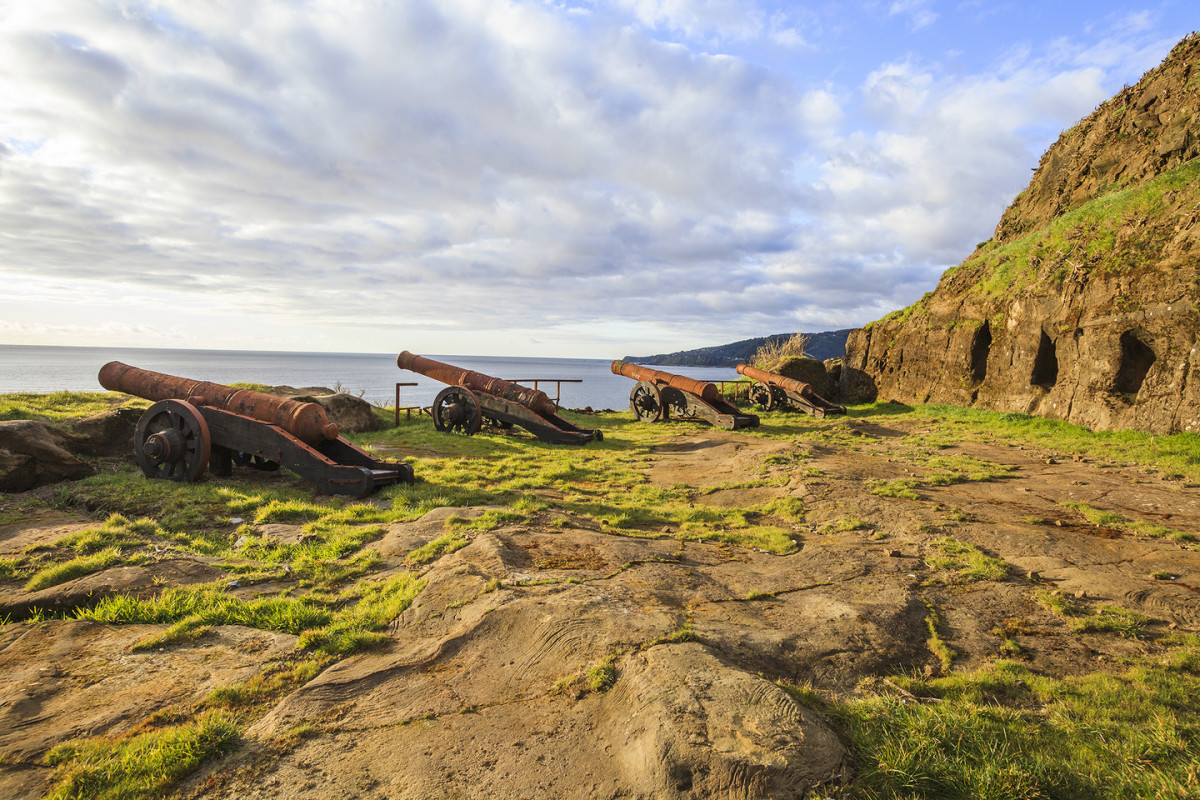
{"x":109,"y":433}
{"x":856,"y":387}
{"x":805,"y":370}
{"x":351,"y":414}
{"x":34,"y":454}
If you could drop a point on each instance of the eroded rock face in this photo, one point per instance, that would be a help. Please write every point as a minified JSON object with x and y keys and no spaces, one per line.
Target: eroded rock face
{"x":1097,"y":322}
{"x":33,"y":454}
{"x":109,"y":433}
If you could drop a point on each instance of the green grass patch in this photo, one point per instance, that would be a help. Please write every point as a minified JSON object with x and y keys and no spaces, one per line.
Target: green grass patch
{"x":960,"y":562}
{"x":1005,"y":732}
{"x":358,"y":626}
{"x":60,"y":407}
{"x":905,"y":488}
{"x":143,"y":765}
{"x":116,"y":531}
{"x":1111,"y":519}
{"x":1113,"y":619}
{"x":434,"y":549}
{"x":78,"y":567}
{"x":1087,"y":238}
{"x":937,"y":645}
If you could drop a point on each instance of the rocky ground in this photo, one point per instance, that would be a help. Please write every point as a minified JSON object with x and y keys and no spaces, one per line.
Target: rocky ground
{"x":483,"y":689}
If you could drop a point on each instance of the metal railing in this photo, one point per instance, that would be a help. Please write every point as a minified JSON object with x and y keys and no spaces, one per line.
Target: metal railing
{"x":558,"y":382}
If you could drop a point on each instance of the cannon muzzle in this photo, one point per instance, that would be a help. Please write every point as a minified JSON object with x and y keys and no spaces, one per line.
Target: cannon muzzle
{"x":306,"y":421}
{"x":533,"y":399}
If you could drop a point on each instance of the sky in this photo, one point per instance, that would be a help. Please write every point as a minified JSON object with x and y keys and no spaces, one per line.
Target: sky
{"x":538,"y":178}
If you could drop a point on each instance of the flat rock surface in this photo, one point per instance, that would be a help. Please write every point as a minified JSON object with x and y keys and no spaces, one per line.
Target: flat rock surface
{"x":482,"y":688}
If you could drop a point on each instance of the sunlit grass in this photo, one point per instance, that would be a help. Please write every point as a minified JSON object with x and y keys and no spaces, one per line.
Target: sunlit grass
{"x":1005,"y":731}
{"x":144,"y":765}
{"x":960,"y":562}
{"x":58,"y":407}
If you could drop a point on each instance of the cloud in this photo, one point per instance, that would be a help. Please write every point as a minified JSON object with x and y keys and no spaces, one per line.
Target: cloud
{"x":437,"y":169}
{"x":918,"y":12}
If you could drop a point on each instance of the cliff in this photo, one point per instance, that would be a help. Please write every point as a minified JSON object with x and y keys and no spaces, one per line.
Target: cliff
{"x":1083,"y":305}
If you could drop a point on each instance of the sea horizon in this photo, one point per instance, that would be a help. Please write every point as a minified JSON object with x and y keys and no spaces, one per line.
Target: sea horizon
{"x":372,"y":376}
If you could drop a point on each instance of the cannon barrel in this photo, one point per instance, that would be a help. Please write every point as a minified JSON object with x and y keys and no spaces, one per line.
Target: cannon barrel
{"x":306,"y":421}
{"x":770,"y":378}
{"x":702,"y":389}
{"x":533,"y":399}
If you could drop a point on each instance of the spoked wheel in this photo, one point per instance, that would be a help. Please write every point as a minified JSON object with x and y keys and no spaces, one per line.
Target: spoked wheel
{"x":254,"y":461}
{"x":762,"y":396}
{"x":675,"y":404}
{"x":456,"y":409}
{"x":172,"y":441}
{"x":646,"y":402}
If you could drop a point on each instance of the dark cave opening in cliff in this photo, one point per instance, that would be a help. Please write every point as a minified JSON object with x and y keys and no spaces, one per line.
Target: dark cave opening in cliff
{"x":981,"y":347}
{"x":1136,"y":360}
{"x":1045,"y":364}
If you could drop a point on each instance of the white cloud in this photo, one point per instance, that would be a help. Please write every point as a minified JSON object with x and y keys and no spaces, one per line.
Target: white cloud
{"x":918,"y":12}
{"x":348,"y":176}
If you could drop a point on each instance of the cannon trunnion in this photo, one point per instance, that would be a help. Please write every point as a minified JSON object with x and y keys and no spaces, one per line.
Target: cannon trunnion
{"x":472,"y":397}
{"x":197,"y":425}
{"x":660,"y":395}
{"x":776,"y":391}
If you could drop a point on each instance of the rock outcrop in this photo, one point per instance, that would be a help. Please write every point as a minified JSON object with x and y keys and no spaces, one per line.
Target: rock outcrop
{"x":33,"y":454}
{"x":1085,"y":304}
{"x":351,"y":414}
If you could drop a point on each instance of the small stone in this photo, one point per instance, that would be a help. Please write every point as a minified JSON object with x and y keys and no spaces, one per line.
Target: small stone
{"x":893,"y":553}
{"x":1050,"y":460}
{"x":1081,"y":594}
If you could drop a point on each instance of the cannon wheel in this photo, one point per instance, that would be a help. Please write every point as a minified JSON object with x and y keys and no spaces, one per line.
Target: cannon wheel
{"x":646,"y":402}
{"x":254,"y":461}
{"x":762,"y":396}
{"x":172,"y":441}
{"x":456,"y":408}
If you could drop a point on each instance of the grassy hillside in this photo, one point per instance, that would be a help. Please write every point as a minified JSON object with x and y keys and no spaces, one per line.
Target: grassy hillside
{"x":827,"y":344}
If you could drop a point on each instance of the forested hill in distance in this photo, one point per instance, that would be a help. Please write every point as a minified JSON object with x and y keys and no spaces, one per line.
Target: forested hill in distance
{"x":827,"y":344}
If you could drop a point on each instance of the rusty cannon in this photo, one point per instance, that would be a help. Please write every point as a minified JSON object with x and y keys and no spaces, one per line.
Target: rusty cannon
{"x":776,"y":391}
{"x":472,"y":397}
{"x":661,"y":395}
{"x":192,"y":422}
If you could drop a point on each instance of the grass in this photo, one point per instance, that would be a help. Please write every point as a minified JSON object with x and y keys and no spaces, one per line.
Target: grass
{"x":960,"y":562}
{"x":1106,"y":618}
{"x":59,"y":407}
{"x":78,"y":567}
{"x":143,"y":765}
{"x":937,"y":645}
{"x":1004,"y":732}
{"x":1111,"y":519}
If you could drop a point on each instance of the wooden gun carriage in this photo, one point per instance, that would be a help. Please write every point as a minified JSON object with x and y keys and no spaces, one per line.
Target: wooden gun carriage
{"x":776,"y":391}
{"x":662,"y":395}
{"x":192,"y":422}
{"x":472,"y":397}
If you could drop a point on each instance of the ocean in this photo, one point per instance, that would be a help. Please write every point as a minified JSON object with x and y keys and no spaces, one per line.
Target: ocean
{"x":372,"y":376}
